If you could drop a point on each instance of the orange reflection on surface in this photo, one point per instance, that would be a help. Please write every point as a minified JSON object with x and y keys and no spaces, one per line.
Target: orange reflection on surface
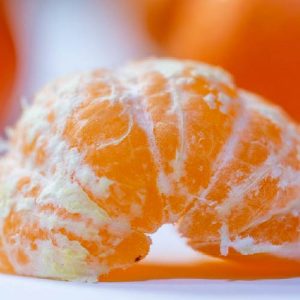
{"x":261,"y":267}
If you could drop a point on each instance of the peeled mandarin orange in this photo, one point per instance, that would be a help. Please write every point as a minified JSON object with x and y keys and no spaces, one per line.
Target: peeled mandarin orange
{"x":100,"y":160}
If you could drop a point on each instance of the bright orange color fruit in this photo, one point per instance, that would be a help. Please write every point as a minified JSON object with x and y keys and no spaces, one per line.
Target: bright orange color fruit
{"x":102,"y":159}
{"x":7,"y":64}
{"x":257,"y":41}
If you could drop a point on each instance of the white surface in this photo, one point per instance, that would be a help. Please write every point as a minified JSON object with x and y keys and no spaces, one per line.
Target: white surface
{"x":32,"y":289}
{"x":168,"y":247}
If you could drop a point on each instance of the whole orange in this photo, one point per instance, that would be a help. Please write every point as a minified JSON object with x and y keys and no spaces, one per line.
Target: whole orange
{"x":7,"y":64}
{"x":257,"y":41}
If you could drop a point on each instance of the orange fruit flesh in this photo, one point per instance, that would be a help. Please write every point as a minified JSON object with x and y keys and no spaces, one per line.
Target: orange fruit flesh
{"x":101,"y":160}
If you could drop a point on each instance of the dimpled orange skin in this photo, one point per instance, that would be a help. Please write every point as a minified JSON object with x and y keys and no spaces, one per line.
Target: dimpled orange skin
{"x":8,"y":64}
{"x":100,"y":160}
{"x":257,"y":41}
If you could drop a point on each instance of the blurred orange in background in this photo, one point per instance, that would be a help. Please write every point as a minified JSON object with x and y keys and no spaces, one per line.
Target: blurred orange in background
{"x":7,"y":64}
{"x":258,"y":41}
